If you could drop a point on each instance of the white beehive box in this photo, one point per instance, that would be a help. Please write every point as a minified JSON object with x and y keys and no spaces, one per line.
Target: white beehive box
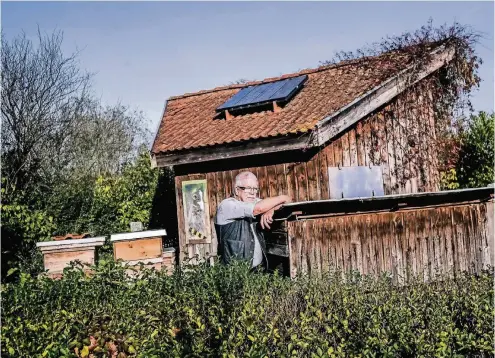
{"x":58,"y":254}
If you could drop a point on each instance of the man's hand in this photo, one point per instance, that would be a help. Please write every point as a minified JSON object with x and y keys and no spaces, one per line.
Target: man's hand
{"x":267,"y":219}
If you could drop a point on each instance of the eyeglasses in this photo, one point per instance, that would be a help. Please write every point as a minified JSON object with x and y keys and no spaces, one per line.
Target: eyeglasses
{"x":249,"y":189}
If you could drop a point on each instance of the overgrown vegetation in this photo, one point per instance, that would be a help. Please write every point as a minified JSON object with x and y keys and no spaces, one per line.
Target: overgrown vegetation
{"x":416,"y":48}
{"x":447,"y":90}
{"x":472,"y":141}
{"x":230,"y":312}
{"x":477,"y":152}
{"x":69,"y":163}
{"x":99,"y":205}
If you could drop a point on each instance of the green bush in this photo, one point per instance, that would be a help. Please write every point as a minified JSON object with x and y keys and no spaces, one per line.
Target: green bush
{"x":229,"y":311}
{"x":101,"y":206}
{"x":120,"y":199}
{"x":475,"y":167}
{"x":21,"y":227}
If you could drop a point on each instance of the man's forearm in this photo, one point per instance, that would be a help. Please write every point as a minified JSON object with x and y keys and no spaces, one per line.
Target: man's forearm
{"x":268,"y":204}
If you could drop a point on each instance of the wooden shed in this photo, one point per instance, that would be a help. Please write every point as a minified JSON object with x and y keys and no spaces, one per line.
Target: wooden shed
{"x":361,"y":128}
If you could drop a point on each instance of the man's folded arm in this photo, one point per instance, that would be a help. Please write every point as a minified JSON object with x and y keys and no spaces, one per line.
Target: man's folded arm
{"x":230,"y":210}
{"x":268,"y":204}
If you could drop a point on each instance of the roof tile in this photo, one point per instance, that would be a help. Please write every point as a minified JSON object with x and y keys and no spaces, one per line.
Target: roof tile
{"x":191,"y":121}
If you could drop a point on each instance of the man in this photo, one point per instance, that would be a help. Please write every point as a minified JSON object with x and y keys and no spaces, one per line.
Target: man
{"x":239,"y":238}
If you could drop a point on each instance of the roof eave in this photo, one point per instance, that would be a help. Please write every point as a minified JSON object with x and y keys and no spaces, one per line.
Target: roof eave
{"x":234,"y":150}
{"x":152,"y":157}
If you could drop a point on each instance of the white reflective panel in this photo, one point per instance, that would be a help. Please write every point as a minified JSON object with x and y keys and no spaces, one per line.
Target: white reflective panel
{"x":355,"y":182}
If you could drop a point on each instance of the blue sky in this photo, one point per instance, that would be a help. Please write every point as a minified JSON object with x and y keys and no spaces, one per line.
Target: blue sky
{"x":144,"y":52}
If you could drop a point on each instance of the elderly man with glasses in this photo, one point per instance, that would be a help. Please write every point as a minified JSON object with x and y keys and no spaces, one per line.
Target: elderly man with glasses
{"x":239,"y":233}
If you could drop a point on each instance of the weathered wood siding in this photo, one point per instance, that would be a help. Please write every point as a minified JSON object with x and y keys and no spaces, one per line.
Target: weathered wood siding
{"x":415,"y":242}
{"x":394,"y":138}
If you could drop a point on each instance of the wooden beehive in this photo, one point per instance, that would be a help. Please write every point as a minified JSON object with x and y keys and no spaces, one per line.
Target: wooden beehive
{"x":58,"y":255}
{"x":139,"y":247}
{"x":168,"y":259}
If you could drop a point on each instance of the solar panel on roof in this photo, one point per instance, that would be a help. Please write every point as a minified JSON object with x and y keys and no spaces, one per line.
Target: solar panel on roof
{"x":282,"y":90}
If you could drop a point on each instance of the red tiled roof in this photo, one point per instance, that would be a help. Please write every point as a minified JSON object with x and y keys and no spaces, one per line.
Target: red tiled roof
{"x":70,"y":237}
{"x":189,"y":120}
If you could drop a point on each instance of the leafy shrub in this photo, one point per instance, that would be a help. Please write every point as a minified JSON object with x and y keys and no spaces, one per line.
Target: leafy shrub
{"x":220,"y":311}
{"x":476,"y":158}
{"x":21,"y":227}
{"x":120,"y":199}
{"x":100,"y":206}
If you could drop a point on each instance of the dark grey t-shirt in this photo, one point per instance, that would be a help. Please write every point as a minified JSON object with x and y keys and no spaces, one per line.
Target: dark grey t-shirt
{"x":231,"y":209}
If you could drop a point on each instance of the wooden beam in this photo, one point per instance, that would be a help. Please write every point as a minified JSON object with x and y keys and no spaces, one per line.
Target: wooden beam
{"x":490,"y":232}
{"x":398,"y":202}
{"x":262,"y":146}
{"x":339,"y":121}
{"x":153,"y":161}
{"x":383,"y":211}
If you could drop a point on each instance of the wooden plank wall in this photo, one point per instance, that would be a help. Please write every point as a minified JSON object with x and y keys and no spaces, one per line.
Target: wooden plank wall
{"x":55,"y":262}
{"x":390,"y":137}
{"x":425,"y":242}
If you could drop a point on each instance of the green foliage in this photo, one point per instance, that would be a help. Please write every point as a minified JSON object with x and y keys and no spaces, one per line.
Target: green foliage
{"x":448,"y":180}
{"x":21,"y":228}
{"x":476,"y":157}
{"x":100,"y":206}
{"x":31,"y":225}
{"x":59,"y":145}
{"x":70,"y":203}
{"x":228,"y":311}
{"x":119,"y":200}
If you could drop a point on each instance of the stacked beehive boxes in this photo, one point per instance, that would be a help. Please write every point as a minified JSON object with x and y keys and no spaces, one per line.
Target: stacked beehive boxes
{"x":143,"y":247}
{"x":168,"y":261}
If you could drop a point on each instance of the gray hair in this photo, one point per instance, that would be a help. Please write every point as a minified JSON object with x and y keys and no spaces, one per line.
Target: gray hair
{"x":241,"y":177}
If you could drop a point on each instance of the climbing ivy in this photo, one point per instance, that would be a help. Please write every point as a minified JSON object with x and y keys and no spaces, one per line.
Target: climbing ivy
{"x":422,"y":147}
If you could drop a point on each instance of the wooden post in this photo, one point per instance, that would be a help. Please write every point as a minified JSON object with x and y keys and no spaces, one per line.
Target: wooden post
{"x":228,"y":116}
{"x":490,"y":232}
{"x":168,"y":259}
{"x":276,"y":107}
